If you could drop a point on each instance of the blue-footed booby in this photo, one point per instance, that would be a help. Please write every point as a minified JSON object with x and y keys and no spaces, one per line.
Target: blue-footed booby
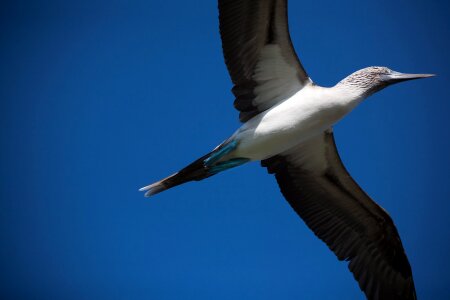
{"x":287,"y":125}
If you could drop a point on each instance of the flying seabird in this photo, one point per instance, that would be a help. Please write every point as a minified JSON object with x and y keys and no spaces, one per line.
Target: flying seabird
{"x":287,"y":125}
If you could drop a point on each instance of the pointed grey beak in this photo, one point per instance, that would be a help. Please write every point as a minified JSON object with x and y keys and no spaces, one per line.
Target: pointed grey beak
{"x":395,"y":77}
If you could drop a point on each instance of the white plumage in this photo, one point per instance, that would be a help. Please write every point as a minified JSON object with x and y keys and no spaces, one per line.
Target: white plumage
{"x":305,"y":115}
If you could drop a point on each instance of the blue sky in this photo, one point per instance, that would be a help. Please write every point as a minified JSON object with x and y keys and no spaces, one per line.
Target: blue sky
{"x":98,"y":98}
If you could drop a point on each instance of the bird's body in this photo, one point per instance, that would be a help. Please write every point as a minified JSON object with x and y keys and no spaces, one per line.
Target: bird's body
{"x":287,"y":125}
{"x":306,"y":114}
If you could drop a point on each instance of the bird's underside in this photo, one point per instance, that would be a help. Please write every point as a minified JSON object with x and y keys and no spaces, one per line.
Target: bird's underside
{"x":266,"y":72}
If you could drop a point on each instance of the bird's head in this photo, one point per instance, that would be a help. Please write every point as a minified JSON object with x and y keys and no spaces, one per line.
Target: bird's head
{"x":373,"y":79}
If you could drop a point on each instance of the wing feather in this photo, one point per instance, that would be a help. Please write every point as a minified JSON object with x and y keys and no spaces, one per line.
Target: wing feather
{"x":314,"y":181}
{"x":259,"y":54}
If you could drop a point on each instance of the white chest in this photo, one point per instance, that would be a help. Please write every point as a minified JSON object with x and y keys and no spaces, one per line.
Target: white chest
{"x":306,"y":114}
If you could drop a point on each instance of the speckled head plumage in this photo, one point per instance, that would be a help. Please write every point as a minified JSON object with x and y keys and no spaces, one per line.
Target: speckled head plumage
{"x":373,"y":79}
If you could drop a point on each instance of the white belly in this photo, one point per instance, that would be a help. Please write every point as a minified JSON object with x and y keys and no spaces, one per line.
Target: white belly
{"x":309,"y":112}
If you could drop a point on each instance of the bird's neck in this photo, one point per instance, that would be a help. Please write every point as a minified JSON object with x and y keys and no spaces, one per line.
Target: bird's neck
{"x":348,"y":94}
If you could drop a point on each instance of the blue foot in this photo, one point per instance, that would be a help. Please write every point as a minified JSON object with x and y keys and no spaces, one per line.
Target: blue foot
{"x":225,"y":165}
{"x":220,"y":153}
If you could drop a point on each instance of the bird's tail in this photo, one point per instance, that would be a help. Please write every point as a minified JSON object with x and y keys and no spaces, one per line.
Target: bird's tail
{"x":204,"y":167}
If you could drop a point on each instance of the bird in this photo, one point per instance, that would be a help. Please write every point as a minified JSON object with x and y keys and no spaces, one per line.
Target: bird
{"x":287,"y":125}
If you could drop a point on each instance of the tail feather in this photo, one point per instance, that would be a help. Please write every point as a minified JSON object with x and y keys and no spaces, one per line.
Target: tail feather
{"x":204,"y":167}
{"x":194,"y":171}
{"x":157,"y":187}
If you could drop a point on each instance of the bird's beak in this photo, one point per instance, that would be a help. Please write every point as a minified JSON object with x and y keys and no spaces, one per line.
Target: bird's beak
{"x":395,"y":77}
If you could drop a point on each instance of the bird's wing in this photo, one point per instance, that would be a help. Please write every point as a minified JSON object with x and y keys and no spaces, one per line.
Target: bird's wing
{"x":259,"y":54}
{"x":313,"y":179}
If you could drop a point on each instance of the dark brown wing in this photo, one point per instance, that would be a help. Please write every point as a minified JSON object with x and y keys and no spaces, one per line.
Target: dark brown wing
{"x":259,"y":55}
{"x":316,"y":184}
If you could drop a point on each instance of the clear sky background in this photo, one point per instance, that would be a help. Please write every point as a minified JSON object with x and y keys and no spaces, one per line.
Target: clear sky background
{"x":98,"y":98}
